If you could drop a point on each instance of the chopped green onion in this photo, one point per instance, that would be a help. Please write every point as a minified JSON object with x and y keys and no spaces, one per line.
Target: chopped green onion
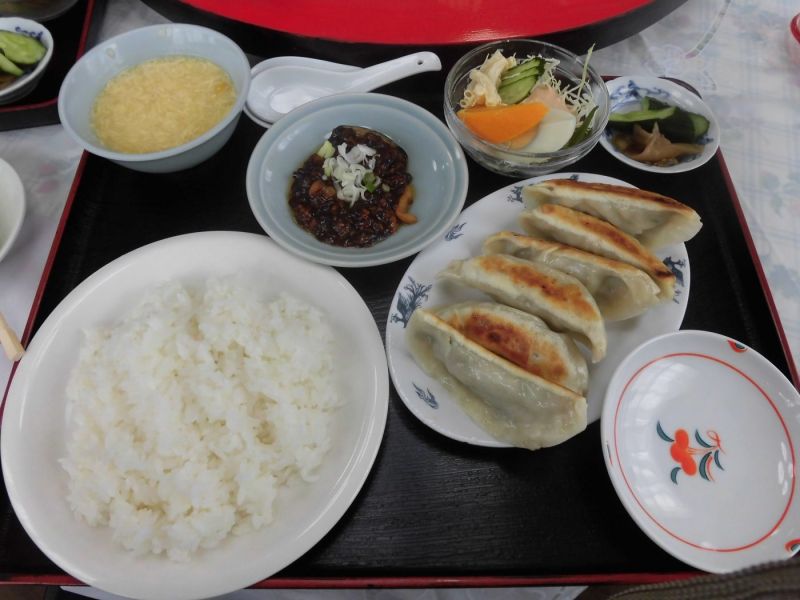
{"x":370,"y":181}
{"x":326,"y":151}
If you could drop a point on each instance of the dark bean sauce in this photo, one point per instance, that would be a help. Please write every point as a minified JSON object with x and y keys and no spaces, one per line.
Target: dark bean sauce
{"x":316,"y":208}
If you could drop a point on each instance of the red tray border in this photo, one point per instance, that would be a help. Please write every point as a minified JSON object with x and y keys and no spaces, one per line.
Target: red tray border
{"x":407,"y":582}
{"x":457,"y":31}
{"x":87,"y":21}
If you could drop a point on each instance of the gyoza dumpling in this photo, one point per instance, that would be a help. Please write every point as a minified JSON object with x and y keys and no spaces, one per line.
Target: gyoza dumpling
{"x":510,"y":403}
{"x":655,"y":220}
{"x":620,"y":290}
{"x":589,"y":233}
{"x":520,"y":338}
{"x":560,"y":299}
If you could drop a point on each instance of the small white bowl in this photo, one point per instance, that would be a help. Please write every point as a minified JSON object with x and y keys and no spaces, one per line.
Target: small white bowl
{"x":26,"y":83}
{"x":699,"y":436}
{"x":12,"y":207}
{"x":435,"y":161}
{"x":631,"y":89}
{"x":91,"y":73}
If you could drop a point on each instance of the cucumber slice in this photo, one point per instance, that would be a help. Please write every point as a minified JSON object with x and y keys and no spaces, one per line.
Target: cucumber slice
{"x":531,"y":64}
{"x":701,"y":124}
{"x":683,"y":126}
{"x":517,"y":90}
{"x":21,"y":49}
{"x":650,"y":103}
{"x":676,"y":124}
{"x":9,"y":67}
{"x":643,"y":118}
{"x":639,"y":116}
{"x":516,"y":77}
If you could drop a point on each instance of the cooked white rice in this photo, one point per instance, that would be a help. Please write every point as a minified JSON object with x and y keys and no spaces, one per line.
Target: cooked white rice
{"x":188,"y":416}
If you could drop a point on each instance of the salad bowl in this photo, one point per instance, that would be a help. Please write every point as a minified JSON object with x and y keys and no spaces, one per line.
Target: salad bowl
{"x":569,"y":71}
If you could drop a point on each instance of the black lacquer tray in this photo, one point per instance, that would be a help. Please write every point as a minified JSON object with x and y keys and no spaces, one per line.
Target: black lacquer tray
{"x":433,"y":511}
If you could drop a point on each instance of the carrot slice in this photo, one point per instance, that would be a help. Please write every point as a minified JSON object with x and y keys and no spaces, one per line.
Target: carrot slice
{"x":498,"y":124}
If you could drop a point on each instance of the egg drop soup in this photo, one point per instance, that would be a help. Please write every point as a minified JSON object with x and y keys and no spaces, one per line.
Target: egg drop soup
{"x":161,"y":103}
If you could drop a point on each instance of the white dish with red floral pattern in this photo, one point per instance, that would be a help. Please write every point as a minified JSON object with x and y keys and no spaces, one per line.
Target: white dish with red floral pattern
{"x":699,"y":436}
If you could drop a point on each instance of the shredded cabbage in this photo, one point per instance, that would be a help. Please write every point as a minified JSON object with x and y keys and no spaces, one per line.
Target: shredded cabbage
{"x":579,"y":100}
{"x":482,"y":87}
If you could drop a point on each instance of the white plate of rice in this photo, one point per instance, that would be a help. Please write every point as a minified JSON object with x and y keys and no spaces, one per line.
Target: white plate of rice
{"x":184,"y":423}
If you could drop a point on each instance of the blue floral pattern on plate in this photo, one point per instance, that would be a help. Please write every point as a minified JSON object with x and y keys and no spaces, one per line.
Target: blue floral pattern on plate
{"x":410,"y":300}
{"x":515,"y":195}
{"x":676,"y":266}
{"x":634,"y":92}
{"x":426,"y":396}
{"x":455,"y":232}
{"x":37,"y":35}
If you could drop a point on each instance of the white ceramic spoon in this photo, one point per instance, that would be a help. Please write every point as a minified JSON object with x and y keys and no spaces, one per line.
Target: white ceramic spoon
{"x":291,"y":61}
{"x":276,"y":91}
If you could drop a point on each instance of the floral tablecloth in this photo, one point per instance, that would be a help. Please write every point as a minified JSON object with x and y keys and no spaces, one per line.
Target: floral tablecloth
{"x":736,"y":53}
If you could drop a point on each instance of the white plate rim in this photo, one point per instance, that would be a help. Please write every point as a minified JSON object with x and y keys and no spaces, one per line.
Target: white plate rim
{"x":353,"y":477}
{"x":647,"y":523}
{"x":700,"y":106}
{"x":344,"y":257}
{"x":410,"y":402}
{"x":10,"y":179}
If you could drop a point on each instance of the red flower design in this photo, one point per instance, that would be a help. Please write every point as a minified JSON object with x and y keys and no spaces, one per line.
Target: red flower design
{"x":682,"y":453}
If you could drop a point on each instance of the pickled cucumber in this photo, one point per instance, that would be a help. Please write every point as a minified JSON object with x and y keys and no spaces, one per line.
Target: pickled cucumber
{"x":9,"y":67}
{"x":676,"y":124}
{"x":21,"y":49}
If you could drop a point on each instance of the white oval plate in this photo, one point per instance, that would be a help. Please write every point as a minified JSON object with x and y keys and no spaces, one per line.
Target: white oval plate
{"x":629,"y":90}
{"x":33,"y":428}
{"x":424,"y":396}
{"x":699,"y":435}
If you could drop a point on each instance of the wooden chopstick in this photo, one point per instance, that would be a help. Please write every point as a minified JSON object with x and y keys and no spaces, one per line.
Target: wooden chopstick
{"x":10,"y":341}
